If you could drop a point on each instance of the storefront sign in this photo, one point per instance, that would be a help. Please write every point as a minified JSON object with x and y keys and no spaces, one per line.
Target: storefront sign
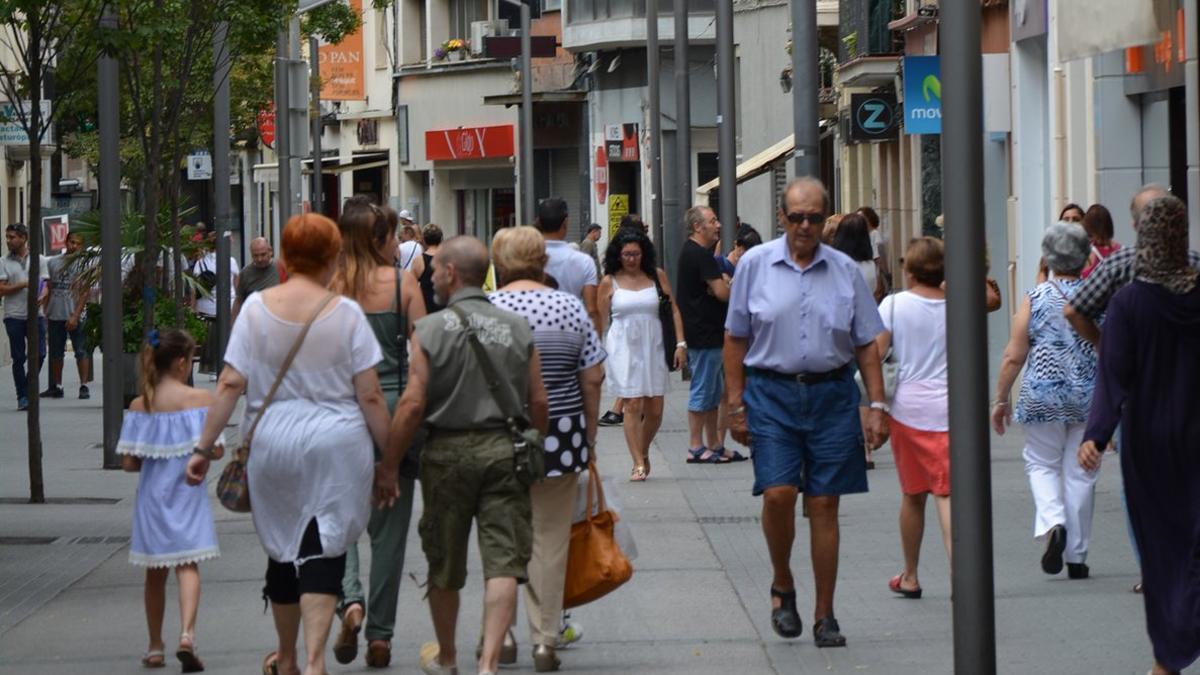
{"x":469,"y":143}
{"x":618,"y":208}
{"x":341,"y":65}
{"x":873,"y":117}
{"x":922,"y":95}
{"x":265,"y":121}
{"x":54,"y":232}
{"x":1159,"y":66}
{"x":601,"y":176}
{"x":199,"y":166}
{"x":11,"y":130}
{"x":621,"y":142}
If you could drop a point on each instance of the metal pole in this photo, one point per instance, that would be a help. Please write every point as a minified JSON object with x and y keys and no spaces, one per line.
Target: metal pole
{"x":315,"y":80}
{"x":283,"y":135}
{"x":527,"y":180}
{"x":655,"y":99}
{"x":683,"y":134}
{"x":110,"y":245}
{"x":1191,"y":75}
{"x":726,"y":124}
{"x":221,"y":188}
{"x":974,"y":617}
{"x":806,"y":83}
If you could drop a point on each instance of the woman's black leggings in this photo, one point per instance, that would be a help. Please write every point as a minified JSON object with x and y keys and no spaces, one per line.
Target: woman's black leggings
{"x":286,"y":583}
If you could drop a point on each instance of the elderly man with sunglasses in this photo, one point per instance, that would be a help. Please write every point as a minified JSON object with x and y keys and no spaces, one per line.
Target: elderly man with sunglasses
{"x":800,"y":317}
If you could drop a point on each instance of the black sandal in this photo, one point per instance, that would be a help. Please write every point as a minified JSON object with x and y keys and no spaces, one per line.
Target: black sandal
{"x":785,"y":619}
{"x":827,"y":633}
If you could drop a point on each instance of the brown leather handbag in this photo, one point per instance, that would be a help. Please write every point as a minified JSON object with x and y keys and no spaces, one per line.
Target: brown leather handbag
{"x":596,"y":566}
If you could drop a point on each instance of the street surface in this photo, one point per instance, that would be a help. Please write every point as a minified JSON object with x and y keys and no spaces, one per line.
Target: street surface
{"x":698,"y":602}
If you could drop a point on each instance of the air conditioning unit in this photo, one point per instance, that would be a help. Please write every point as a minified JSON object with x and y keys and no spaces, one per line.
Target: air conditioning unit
{"x":482,"y":29}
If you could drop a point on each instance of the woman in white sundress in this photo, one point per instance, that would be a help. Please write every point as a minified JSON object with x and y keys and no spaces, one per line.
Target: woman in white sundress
{"x":311,"y":465}
{"x":636,"y":368}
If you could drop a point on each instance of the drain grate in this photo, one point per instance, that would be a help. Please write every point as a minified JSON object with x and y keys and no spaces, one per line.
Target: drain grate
{"x":100,"y":540}
{"x":27,"y":541}
{"x":64,"y":501}
{"x":727,"y":520}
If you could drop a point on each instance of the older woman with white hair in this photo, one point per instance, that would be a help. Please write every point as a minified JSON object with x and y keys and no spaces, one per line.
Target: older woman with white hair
{"x":1056,"y":393}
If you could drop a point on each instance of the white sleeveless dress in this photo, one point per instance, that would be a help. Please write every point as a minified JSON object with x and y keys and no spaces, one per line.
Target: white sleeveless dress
{"x":635,"y":366}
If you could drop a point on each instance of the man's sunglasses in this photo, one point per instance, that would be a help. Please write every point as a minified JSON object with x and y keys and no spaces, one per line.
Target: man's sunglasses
{"x":812,"y":218}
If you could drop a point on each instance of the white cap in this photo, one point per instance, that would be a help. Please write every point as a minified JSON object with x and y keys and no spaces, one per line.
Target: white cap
{"x":406,"y":215}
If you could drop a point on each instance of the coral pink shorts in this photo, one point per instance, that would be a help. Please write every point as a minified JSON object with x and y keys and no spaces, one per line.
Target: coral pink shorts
{"x":922,"y":459}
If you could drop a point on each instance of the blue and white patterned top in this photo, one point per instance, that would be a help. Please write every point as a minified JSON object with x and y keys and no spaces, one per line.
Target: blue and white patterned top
{"x":162,"y":435}
{"x":1060,"y":371}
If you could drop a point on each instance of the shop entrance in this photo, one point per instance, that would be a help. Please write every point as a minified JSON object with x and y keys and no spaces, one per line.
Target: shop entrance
{"x":370,"y":183}
{"x":481,"y":213}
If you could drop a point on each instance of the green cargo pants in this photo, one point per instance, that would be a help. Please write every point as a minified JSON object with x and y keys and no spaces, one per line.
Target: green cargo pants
{"x":388,"y":532}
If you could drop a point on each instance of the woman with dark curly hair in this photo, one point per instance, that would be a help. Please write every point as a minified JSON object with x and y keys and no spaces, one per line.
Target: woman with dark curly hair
{"x":636,"y":369}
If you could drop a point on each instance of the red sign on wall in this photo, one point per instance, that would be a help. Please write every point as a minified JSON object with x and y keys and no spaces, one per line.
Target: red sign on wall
{"x":601,"y":176}
{"x":266,"y":125}
{"x":470,"y":143}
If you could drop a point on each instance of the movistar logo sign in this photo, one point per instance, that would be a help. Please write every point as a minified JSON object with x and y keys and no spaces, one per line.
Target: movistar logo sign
{"x":922,"y":95}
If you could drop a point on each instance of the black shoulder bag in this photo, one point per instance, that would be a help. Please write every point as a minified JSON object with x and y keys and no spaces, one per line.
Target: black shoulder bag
{"x":529,"y":461}
{"x":410,"y":466}
{"x":666,"y":317}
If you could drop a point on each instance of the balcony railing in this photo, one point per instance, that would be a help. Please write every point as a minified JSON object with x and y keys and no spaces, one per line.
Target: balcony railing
{"x":583,"y":11}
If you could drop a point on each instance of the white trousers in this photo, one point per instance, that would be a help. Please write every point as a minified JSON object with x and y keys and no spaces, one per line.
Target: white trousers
{"x":1063,"y":492}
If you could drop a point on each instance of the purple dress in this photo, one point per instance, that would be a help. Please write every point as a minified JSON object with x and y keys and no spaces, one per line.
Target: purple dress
{"x":1148,"y":373}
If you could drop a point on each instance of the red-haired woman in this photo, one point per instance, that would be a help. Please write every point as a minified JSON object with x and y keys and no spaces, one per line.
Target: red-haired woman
{"x":311,"y":467}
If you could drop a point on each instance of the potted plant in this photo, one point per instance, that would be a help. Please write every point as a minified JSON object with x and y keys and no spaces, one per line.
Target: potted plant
{"x":455,"y":49}
{"x":166,"y":308}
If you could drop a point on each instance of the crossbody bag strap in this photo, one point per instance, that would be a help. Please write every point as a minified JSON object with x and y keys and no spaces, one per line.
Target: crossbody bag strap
{"x":503,"y":397}
{"x":283,"y":369}
{"x":402,"y":338}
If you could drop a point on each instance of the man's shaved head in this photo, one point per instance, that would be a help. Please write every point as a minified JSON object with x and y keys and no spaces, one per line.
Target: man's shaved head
{"x":260,"y":252}
{"x":468,"y":256}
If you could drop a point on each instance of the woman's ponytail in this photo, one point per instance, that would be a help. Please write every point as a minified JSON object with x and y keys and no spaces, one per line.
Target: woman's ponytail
{"x":156,"y":357}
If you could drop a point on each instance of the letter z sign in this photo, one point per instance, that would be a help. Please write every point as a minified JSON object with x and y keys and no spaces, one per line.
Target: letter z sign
{"x":873,"y":118}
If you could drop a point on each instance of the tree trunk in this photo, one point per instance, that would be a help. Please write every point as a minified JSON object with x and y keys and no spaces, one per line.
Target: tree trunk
{"x":37,"y":491}
{"x":153,"y":182}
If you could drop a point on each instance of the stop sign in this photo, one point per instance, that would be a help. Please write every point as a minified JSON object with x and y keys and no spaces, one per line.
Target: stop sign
{"x":266,"y":125}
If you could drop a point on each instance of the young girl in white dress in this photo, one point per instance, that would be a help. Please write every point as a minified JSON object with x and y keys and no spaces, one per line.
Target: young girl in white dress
{"x":172,"y":523}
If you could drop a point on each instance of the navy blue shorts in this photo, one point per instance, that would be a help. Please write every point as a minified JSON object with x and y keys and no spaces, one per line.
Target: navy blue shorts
{"x":58,"y":340}
{"x":708,"y":379}
{"x":807,"y":436}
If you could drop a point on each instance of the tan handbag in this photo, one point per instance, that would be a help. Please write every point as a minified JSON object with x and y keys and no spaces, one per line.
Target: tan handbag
{"x":596,"y":566}
{"x":233,"y":487}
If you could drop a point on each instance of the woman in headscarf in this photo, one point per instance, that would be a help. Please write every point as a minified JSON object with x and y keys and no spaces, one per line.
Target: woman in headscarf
{"x":1149,"y":366}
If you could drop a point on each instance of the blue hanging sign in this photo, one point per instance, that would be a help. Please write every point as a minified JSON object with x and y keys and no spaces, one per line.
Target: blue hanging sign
{"x":922,"y":95}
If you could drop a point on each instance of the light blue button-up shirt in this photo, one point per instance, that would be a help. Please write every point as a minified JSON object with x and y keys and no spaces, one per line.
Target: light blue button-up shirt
{"x":800,"y":320}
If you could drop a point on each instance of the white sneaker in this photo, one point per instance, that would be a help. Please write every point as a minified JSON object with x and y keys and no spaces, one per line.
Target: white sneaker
{"x":570,"y":632}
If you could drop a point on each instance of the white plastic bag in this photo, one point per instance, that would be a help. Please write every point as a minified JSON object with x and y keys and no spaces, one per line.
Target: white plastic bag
{"x":621,"y":531}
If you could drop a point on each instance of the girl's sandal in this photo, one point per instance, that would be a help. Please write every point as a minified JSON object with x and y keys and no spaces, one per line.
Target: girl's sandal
{"x":155,"y":658}
{"x":638,"y":475}
{"x":186,"y":653}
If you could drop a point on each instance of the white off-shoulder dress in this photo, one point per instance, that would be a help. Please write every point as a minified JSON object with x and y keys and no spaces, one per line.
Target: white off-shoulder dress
{"x":172,"y":521}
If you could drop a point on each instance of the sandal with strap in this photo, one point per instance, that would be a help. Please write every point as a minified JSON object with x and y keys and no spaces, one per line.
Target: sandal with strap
{"x":734,"y":456}
{"x":638,"y":475}
{"x":827,"y":633}
{"x":186,"y":653}
{"x":154,"y":658}
{"x":785,"y":619}
{"x":911,"y":594}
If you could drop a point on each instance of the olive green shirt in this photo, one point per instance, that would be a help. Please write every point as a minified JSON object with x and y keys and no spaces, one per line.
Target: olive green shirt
{"x":457,"y":395}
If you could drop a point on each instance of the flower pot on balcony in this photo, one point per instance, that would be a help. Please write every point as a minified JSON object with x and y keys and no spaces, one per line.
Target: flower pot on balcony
{"x":456,"y":55}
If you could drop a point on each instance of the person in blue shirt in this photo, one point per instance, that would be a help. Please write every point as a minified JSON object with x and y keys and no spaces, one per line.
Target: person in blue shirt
{"x":799,"y":314}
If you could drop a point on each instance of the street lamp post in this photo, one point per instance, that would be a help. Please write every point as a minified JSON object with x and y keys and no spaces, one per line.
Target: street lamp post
{"x":683,"y":133}
{"x":110,"y":244}
{"x":527,"y":181}
{"x":966,"y":339}
{"x":315,"y":87}
{"x":655,"y":123}
{"x":221,"y":195}
{"x":727,"y":124}
{"x":806,"y":83}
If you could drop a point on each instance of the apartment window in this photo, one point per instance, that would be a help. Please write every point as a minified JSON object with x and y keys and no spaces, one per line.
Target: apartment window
{"x":465,"y":12}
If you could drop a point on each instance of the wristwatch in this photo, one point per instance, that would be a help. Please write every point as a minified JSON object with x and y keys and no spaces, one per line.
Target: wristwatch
{"x":206,"y":454}
{"x":880,"y":405}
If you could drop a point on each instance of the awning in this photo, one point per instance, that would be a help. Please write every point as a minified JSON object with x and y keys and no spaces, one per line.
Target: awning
{"x":330,"y":165}
{"x":566,"y":96}
{"x":756,"y":165}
